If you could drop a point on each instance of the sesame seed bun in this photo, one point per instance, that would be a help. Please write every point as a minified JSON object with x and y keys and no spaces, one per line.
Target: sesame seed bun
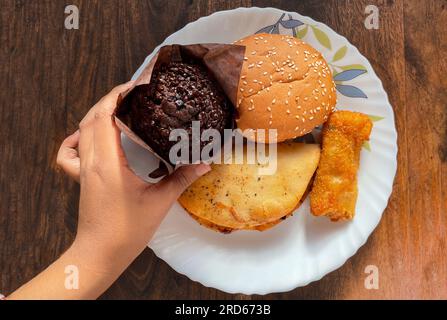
{"x":285,"y":85}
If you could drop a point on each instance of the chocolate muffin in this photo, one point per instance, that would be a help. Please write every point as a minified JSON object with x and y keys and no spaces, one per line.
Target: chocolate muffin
{"x":178,"y":94}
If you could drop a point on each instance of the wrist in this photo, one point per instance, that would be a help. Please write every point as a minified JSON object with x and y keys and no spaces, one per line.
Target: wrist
{"x":108,"y":258}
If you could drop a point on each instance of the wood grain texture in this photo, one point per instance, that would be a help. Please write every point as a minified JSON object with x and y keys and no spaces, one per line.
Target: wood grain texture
{"x":51,"y":77}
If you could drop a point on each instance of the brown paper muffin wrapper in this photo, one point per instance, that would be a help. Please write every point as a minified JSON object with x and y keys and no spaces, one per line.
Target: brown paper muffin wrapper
{"x":223,"y":61}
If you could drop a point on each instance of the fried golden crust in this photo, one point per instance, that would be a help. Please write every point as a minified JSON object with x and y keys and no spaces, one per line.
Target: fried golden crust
{"x":334,"y":193}
{"x":236,"y":197}
{"x":261,"y":227}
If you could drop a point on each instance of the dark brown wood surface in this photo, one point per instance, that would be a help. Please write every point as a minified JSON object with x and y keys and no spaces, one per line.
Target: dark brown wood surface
{"x":51,"y":76}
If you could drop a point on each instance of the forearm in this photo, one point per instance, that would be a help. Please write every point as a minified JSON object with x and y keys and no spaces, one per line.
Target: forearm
{"x":82,"y":272}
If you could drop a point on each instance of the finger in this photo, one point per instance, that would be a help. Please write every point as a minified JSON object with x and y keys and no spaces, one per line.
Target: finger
{"x":85,"y":147}
{"x":67,"y":156}
{"x":107,"y":104}
{"x":173,"y":186}
{"x":107,"y":139}
{"x":103,"y":109}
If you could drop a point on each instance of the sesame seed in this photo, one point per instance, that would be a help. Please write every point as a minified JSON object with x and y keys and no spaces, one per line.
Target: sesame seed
{"x":269,"y":109}
{"x":253,"y":53}
{"x":273,"y":101}
{"x":242,"y":89}
{"x":255,"y":81}
{"x":287,"y":101}
{"x":265,"y":73}
{"x":245,"y":58}
{"x":311,"y":118}
{"x":288,"y":111}
{"x":251,"y":66}
{"x":244,"y":82}
{"x":296,"y":128}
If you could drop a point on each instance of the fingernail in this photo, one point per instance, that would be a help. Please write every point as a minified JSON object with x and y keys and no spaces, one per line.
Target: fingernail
{"x":202,"y":168}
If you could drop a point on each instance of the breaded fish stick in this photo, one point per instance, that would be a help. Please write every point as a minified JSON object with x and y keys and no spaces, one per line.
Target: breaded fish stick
{"x":334,"y":192}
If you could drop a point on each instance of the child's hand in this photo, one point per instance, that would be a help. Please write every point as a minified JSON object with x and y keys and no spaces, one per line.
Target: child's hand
{"x":118,"y":212}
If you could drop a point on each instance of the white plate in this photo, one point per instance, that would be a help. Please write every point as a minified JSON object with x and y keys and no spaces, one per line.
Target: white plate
{"x":303,"y":248}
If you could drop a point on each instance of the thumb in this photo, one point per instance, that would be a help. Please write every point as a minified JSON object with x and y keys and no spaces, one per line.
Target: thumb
{"x":173,"y":185}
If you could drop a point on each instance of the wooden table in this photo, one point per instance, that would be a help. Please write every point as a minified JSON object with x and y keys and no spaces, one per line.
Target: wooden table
{"x":51,"y":76}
